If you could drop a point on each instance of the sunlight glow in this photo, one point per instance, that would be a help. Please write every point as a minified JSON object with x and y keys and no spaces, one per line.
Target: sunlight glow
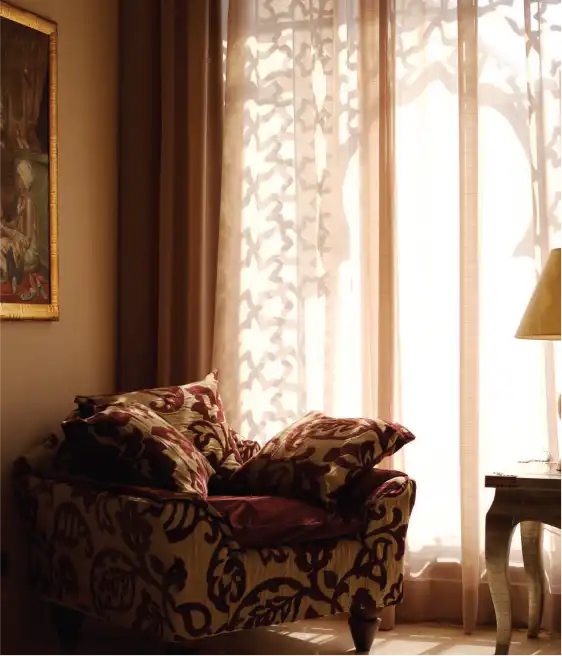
{"x":512,"y":373}
{"x":408,"y":647}
{"x":299,"y":331}
{"x":300,"y":226}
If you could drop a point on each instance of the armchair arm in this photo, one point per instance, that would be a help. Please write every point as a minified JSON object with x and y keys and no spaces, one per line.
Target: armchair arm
{"x":389,"y":484}
{"x":127,"y":556}
{"x":357,"y":497}
{"x":31,"y":489}
{"x":387,"y":510}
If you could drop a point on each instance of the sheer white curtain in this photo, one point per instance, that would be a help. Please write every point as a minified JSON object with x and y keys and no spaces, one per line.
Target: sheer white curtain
{"x":288,"y":330}
{"x":477,"y":175}
{"x":391,"y":187}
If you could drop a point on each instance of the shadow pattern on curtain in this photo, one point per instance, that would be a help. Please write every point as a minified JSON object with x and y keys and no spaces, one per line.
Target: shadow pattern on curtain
{"x":391,"y":187}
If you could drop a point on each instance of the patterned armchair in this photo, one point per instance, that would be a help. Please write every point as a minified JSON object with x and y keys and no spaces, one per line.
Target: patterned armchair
{"x":173,"y":568}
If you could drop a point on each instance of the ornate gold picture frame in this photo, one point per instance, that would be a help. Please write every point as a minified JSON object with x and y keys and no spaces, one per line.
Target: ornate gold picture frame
{"x":29,"y":284}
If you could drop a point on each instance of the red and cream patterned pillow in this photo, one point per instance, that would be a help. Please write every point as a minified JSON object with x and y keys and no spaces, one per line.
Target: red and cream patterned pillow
{"x":318,"y":456}
{"x":132,"y":445}
{"x":194,"y":409}
{"x":246,"y":448}
{"x":217,"y":443}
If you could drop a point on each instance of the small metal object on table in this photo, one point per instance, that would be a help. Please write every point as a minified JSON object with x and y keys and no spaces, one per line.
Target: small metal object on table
{"x":530,"y":495}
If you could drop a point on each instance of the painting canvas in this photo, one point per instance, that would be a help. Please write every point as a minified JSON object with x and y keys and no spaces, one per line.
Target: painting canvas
{"x":28,"y":224}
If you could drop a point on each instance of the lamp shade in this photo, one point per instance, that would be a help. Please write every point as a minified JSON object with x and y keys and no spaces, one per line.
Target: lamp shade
{"x":542,"y":316}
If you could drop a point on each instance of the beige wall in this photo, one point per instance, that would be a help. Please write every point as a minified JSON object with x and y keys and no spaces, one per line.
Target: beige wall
{"x":44,"y":364}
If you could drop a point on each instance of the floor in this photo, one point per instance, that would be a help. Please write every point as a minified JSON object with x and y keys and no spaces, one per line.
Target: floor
{"x":325,"y":636}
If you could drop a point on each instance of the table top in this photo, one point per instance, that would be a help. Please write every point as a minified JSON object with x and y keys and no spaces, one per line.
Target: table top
{"x":531,"y":476}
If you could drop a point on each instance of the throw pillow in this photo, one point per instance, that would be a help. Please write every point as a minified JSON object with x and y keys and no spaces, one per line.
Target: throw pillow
{"x":194,"y":409}
{"x":132,"y":445}
{"x":246,"y":448}
{"x":318,"y":456}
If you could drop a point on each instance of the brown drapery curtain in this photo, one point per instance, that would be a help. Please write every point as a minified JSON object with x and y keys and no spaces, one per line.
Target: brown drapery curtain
{"x":170,"y":173}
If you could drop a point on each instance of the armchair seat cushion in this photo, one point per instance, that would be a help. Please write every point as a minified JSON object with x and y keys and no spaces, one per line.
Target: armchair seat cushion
{"x":267,"y":521}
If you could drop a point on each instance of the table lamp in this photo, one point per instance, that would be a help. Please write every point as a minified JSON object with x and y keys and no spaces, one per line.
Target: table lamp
{"x":542,"y":316}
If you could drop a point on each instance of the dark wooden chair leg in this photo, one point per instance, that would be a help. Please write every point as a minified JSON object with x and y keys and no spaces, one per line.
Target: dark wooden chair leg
{"x":364,"y":621}
{"x":68,"y":625}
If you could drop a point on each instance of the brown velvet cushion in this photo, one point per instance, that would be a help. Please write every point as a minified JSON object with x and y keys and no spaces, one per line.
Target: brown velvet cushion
{"x":195,"y":409}
{"x":131,"y":445}
{"x":317,"y":457}
{"x":274,"y":521}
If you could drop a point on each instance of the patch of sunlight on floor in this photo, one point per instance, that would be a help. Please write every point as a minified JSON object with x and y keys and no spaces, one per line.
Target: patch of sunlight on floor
{"x":411,"y":647}
{"x":465,"y":650}
{"x":308,"y":637}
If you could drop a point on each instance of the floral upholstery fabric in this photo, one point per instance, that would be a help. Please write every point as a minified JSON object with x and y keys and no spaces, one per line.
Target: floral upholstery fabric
{"x":246,"y":448}
{"x":131,"y":444}
{"x":318,"y":457}
{"x":217,"y":442}
{"x":170,"y":567}
{"x":195,"y":409}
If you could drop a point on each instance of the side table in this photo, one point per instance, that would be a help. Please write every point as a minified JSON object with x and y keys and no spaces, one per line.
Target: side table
{"x":531,"y":499}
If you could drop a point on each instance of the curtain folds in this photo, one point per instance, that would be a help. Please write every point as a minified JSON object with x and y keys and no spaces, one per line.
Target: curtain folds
{"x":376,"y":141}
{"x":170,"y":177}
{"x":391,"y":186}
{"x":469,"y":307}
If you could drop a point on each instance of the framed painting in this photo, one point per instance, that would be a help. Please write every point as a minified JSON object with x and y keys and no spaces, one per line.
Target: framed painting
{"x":28,"y":127}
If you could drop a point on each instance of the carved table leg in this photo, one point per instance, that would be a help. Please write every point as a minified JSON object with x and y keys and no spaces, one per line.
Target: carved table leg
{"x":364,"y":622}
{"x":531,"y":542}
{"x":68,"y":625}
{"x":499,"y":531}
